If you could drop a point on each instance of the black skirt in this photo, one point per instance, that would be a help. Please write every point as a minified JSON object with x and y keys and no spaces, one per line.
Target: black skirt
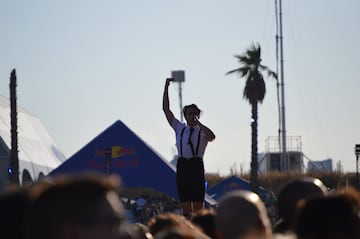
{"x":190,"y":179}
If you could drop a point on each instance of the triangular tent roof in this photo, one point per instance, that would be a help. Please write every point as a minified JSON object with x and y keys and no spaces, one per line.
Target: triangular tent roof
{"x":233,"y":183}
{"x":131,"y":158}
{"x":38,"y":153}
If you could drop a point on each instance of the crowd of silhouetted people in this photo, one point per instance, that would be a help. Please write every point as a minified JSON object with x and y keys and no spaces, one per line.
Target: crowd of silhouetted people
{"x":144,"y":207}
{"x":88,"y":206}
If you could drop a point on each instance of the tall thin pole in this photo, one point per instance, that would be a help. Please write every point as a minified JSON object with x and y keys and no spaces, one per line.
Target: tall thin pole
{"x":180,"y":102}
{"x":14,"y":158}
{"x":179,"y":76}
{"x":357,"y":172}
{"x":277,"y":73}
{"x":107,"y":161}
{"x":357,"y":153}
{"x":283,"y":125}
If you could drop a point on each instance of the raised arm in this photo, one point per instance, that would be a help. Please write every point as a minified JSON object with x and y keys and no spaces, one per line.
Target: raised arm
{"x":166,"y":105}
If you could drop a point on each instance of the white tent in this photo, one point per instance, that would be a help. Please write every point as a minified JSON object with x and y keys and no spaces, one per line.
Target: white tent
{"x":38,"y":154}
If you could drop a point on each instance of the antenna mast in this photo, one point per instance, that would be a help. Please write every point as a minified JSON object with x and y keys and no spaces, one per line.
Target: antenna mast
{"x":284,"y":160}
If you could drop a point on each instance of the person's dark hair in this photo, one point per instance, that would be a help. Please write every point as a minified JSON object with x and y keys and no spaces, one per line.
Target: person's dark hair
{"x":290,"y":194}
{"x":205,"y":219}
{"x":328,"y":217}
{"x":166,"y":220}
{"x":240,"y":214}
{"x":187,"y":107}
{"x":70,"y":199}
{"x":13,"y":205}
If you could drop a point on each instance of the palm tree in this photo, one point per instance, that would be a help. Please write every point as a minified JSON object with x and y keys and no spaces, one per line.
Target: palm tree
{"x":254,"y":92}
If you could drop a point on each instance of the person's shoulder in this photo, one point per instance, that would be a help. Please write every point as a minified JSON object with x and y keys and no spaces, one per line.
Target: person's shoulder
{"x":177,"y":125}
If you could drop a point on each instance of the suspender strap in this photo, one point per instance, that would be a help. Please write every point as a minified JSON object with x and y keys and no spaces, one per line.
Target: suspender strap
{"x":198,"y":143}
{"x":190,"y":142}
{"x":195,"y":154}
{"x":181,"y":137}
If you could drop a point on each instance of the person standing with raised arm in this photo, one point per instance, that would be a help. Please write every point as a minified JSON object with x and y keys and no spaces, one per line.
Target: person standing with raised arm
{"x":191,"y":142}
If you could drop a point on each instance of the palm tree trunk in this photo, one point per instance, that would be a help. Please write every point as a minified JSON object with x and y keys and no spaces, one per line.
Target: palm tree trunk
{"x":254,"y":147}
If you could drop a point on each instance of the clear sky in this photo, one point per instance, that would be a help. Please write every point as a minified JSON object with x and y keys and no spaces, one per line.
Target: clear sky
{"x":84,"y":64}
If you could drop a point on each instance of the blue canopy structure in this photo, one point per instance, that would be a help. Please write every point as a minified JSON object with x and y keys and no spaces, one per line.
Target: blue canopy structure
{"x":118,"y":150}
{"x":233,"y":183}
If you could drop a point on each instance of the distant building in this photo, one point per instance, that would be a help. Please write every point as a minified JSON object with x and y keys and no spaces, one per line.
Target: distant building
{"x":320,"y":166}
{"x":38,"y":154}
{"x":273,"y":160}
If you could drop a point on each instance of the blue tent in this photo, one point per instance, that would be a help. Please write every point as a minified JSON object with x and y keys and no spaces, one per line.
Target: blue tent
{"x":138,"y":165}
{"x":230,"y":184}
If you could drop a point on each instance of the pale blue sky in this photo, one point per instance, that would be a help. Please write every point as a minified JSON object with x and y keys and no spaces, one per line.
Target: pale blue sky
{"x":82,"y":65}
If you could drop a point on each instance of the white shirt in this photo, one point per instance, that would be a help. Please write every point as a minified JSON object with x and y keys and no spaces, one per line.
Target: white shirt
{"x":186,"y":148}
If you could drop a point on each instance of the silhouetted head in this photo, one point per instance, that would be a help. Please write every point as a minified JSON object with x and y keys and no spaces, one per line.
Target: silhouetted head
{"x":291,"y":194}
{"x":191,"y":112}
{"x":205,"y":219}
{"x":241,"y":214}
{"x":330,"y":217}
{"x":13,"y":206}
{"x":80,"y":205}
{"x":167,"y":220}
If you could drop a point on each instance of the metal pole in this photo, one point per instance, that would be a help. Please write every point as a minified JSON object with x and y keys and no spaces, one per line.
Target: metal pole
{"x":14,"y":157}
{"x":108,"y":163}
{"x":357,"y":172}
{"x":357,"y":153}
{"x":283,"y":125}
{"x":180,"y":102}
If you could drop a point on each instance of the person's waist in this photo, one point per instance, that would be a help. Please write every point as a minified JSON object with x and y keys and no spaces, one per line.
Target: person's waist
{"x":191,"y":158}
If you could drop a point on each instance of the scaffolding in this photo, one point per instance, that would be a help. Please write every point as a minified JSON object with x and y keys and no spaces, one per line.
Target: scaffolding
{"x":275,"y":161}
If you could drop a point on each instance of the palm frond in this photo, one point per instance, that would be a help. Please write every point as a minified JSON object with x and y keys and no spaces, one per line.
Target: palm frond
{"x":244,"y":60}
{"x":233,"y":71}
{"x":251,"y":68}
{"x":273,"y":75}
{"x":269,"y":72}
{"x":243,"y":71}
